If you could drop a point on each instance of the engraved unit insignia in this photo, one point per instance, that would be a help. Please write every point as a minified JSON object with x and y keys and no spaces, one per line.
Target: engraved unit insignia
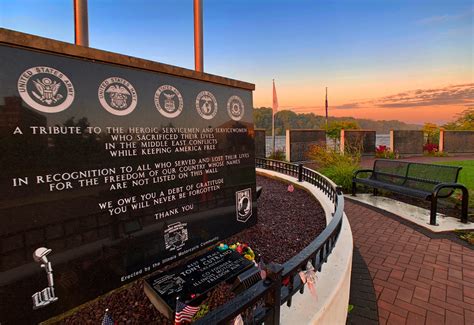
{"x":176,"y":236}
{"x":243,"y":204}
{"x":46,"y":89}
{"x":117,"y":96}
{"x":235,"y":108}
{"x":206,"y":105}
{"x":168,"y":101}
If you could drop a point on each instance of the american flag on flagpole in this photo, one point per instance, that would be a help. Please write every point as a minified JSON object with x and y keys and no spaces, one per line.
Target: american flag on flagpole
{"x":274,"y":111}
{"x":275,"y":99}
{"x":184,"y":313}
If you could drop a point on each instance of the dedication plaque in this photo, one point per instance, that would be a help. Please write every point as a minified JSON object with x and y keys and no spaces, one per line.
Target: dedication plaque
{"x":196,"y":278}
{"x":109,"y":171}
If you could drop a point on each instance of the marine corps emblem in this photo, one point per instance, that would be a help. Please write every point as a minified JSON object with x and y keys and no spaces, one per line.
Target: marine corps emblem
{"x":206,"y":105}
{"x":235,"y":108}
{"x":168,"y":101}
{"x":117,"y":96}
{"x":46,"y":89}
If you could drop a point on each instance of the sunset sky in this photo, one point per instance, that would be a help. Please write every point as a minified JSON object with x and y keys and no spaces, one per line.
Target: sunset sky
{"x":407,"y":60}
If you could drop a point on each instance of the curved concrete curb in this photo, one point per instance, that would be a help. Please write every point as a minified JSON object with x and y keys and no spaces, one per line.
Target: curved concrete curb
{"x":333,"y":284}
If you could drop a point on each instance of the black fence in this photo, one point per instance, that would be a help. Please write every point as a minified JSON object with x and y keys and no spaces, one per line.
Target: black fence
{"x":283,"y":281}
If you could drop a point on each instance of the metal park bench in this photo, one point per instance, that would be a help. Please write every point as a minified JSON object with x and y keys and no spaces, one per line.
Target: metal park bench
{"x":424,"y":181}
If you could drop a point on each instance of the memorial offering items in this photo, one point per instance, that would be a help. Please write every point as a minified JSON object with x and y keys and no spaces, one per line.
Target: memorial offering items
{"x":192,"y":282}
{"x":184,"y":313}
{"x":242,"y":249}
{"x":107,"y":320}
{"x":308,"y":277}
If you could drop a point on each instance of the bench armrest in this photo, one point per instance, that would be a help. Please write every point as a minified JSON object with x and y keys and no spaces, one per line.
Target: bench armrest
{"x":441,"y":186}
{"x":362,"y":171}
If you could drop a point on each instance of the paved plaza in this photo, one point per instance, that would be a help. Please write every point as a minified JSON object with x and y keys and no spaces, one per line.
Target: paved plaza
{"x":419,"y":277}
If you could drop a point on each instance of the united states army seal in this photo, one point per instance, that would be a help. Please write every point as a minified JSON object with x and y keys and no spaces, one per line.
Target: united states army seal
{"x":46,"y":89}
{"x":235,"y":108}
{"x":206,"y":105}
{"x":168,"y":101}
{"x":117,"y":96}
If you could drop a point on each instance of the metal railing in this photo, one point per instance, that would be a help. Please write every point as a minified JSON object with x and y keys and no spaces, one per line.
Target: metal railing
{"x":283,"y":281}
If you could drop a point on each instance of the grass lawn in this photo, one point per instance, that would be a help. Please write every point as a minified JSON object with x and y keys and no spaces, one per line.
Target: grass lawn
{"x":466,"y":176}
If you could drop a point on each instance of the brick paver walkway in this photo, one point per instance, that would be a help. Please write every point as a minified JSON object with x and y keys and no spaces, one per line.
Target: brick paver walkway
{"x":417,"y":279}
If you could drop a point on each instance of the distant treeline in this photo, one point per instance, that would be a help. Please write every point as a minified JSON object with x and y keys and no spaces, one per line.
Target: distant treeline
{"x":287,"y":119}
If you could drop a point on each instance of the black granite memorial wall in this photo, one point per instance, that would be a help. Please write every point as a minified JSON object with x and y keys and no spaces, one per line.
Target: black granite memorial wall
{"x":459,"y":141}
{"x":407,"y":142}
{"x":299,"y":142}
{"x":260,"y":143}
{"x":111,"y":167}
{"x":363,"y":140}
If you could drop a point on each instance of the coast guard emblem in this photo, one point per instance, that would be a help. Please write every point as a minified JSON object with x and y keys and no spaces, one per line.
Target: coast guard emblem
{"x":235,"y":108}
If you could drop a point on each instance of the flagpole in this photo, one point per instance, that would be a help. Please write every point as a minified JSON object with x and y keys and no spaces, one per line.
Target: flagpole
{"x":81,"y":23}
{"x":273,"y":123}
{"x":326,"y":108}
{"x":198,"y":38}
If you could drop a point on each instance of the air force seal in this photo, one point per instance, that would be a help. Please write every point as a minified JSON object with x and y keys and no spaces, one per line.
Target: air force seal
{"x":206,"y":105}
{"x":117,"y":96}
{"x":168,"y":101}
{"x":235,"y":108}
{"x":46,"y":89}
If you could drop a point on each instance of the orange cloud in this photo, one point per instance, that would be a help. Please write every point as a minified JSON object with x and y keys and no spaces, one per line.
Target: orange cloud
{"x":436,"y":105}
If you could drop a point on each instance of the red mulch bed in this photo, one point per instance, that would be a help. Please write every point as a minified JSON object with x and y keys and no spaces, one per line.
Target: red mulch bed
{"x":287,"y":222}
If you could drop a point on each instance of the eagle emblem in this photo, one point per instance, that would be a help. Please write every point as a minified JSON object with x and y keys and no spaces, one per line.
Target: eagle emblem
{"x":169,"y":102}
{"x":206,"y":107}
{"x":47,"y":90}
{"x":172,"y":100}
{"x":118,"y":96}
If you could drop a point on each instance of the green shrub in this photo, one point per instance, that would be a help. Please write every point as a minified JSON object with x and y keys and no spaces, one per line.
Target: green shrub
{"x":339,"y":168}
{"x":278,"y":155}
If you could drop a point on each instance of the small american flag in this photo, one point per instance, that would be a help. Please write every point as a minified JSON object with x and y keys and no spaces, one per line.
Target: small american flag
{"x":238,"y":320}
{"x":107,"y":320}
{"x":262,"y":268}
{"x":184,"y":313}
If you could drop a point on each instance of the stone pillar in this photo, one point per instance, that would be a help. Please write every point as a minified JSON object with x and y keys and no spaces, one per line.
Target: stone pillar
{"x":441,"y":140}
{"x":391,"y":141}
{"x":342,"y":141}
